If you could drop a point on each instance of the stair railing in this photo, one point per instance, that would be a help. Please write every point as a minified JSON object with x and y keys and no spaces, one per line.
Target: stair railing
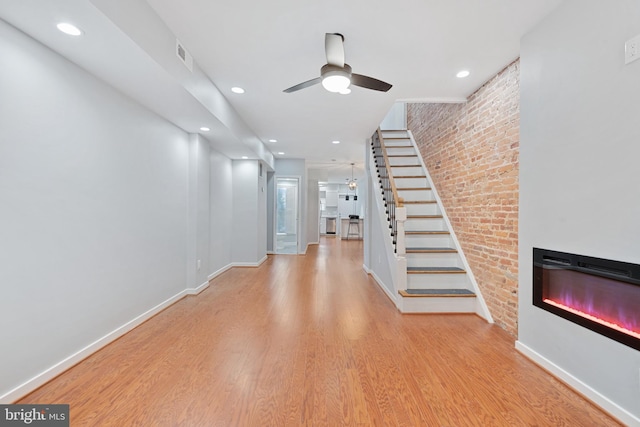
{"x":394,"y":204}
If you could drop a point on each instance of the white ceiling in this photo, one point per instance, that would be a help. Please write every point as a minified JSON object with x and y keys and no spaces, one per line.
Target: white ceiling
{"x":267,"y":46}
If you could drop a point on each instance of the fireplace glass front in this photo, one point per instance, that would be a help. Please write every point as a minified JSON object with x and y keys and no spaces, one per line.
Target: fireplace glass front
{"x":601,"y":295}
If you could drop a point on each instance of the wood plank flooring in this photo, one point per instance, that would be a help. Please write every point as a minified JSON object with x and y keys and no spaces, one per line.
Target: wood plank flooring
{"x":312,"y":341}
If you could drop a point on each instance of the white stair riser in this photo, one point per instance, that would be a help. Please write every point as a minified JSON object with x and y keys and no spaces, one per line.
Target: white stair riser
{"x":411,"y":183}
{"x":410,"y":171}
{"x":412,"y":160}
{"x":423,"y":209}
{"x":389,"y":144}
{"x":423,"y":224}
{"x":402,"y":150}
{"x":394,"y":134}
{"x":434,"y":260}
{"x":429,"y":241}
{"x":438,"y":305}
{"x":422,"y":195}
{"x":438,"y":281}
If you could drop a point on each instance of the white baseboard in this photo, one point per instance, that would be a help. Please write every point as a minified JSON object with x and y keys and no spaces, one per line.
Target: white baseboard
{"x":249,"y":264}
{"x":380,"y":284}
{"x":196,"y":291}
{"x":52,"y":372}
{"x":219,"y":272}
{"x":594,"y":396}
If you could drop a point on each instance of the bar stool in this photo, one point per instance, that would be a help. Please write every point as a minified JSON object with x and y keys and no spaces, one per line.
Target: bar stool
{"x":354,"y":226}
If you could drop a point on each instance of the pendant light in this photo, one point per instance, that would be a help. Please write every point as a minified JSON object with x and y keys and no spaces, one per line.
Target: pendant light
{"x":352,"y":184}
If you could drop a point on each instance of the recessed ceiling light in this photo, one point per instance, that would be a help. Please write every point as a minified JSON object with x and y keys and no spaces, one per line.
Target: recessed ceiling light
{"x":345,"y":91}
{"x":281,"y":153}
{"x":69,"y":29}
{"x":335,"y":142}
{"x":245,"y":157}
{"x":273,"y":140}
{"x":237,"y":89}
{"x":205,"y":129}
{"x":462,"y":74}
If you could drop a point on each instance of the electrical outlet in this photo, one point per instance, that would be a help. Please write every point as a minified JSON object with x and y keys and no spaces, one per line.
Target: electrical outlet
{"x":198,"y":265}
{"x":632,"y":49}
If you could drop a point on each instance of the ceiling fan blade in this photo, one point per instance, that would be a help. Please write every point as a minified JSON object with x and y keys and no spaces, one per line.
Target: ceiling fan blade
{"x":334,"y":48}
{"x":369,"y":83}
{"x":303,"y":85}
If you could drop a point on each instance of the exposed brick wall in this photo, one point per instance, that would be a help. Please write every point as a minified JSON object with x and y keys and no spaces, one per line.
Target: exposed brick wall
{"x":471,"y":151}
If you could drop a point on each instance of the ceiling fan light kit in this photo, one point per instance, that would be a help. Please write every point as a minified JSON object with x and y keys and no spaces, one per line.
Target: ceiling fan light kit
{"x":336,"y":79}
{"x":335,"y":75}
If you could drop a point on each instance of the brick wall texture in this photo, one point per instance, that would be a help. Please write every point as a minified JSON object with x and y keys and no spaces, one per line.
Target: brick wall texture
{"x":471,"y":152}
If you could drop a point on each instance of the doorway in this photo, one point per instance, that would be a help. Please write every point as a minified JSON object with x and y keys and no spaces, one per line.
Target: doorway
{"x":287,"y":201}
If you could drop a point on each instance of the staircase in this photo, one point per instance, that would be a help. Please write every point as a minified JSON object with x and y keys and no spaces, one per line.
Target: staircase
{"x":437,"y":280}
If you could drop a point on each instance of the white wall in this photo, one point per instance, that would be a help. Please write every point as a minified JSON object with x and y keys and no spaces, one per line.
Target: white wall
{"x":579,"y":150}
{"x":249,"y":239}
{"x":396,"y":118}
{"x":93,"y":192}
{"x":313,"y":212}
{"x":221,"y":212}
{"x":261,"y":236}
{"x":378,"y":251}
{"x":198,"y":220}
{"x":271,"y":207}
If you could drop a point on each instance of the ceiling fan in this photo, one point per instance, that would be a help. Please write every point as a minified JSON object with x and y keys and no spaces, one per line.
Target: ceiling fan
{"x":336,"y":75}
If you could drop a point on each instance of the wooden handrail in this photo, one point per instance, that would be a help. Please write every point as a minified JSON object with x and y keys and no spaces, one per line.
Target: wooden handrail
{"x":399,"y":200}
{"x":394,"y":204}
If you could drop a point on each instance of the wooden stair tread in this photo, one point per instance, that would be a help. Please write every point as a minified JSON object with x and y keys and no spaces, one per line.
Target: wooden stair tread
{"x":409,"y":176}
{"x":420,"y":217}
{"x":388,"y":147}
{"x":426,"y":293}
{"x":402,"y":155}
{"x":419,"y":202}
{"x":406,"y":166}
{"x":408,"y":188}
{"x":414,"y":202}
{"x":435,"y":270}
{"x":417,"y":233}
{"x":430,"y":250}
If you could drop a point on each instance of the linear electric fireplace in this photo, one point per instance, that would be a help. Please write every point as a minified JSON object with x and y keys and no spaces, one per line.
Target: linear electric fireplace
{"x":599,"y":294}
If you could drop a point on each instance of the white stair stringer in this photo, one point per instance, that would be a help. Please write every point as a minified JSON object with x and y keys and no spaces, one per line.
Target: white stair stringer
{"x":436,"y":266}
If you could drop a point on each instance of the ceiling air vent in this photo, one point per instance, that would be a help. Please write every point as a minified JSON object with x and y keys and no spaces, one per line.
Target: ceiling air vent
{"x":184,"y":56}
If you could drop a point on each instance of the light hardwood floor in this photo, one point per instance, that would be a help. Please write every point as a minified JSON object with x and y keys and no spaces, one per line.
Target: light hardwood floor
{"x":312,"y":341}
